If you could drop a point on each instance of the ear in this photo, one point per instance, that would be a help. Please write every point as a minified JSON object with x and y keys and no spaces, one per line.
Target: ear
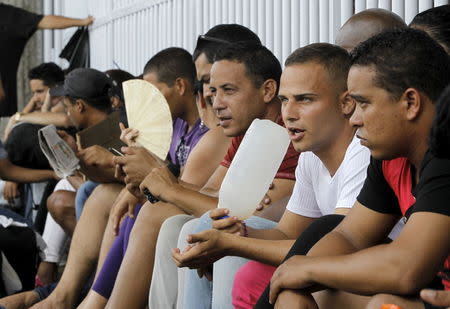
{"x":80,"y":105}
{"x":181,"y":86}
{"x":115,"y":102}
{"x":411,"y":100}
{"x":200,"y":101}
{"x":269,"y":89}
{"x":347,"y":104}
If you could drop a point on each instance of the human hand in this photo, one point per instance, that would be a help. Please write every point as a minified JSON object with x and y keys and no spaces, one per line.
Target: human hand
{"x":288,"y":299}
{"x":266,"y":201}
{"x":292,"y":274}
{"x":137,"y":163}
{"x":436,"y":298}
{"x":96,"y":156}
{"x":230,"y":225}
{"x":128,"y":135}
{"x":161,"y":183}
{"x":125,"y":204}
{"x":11,"y":191}
{"x":68,"y":139}
{"x":88,"y":20}
{"x":204,"y":249}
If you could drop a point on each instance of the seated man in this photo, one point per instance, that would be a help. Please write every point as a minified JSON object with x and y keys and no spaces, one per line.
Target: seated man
{"x":395,"y":93}
{"x":41,"y":79}
{"x":257,"y":73}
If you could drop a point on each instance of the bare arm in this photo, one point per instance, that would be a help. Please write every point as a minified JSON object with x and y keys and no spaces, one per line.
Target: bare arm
{"x":401,"y":267}
{"x":9,"y":171}
{"x":205,"y":157}
{"x":267,"y":246}
{"x":62,"y":22}
{"x":46,"y":118}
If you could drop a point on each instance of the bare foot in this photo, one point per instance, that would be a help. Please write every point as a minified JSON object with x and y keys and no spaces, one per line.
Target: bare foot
{"x":20,"y":301}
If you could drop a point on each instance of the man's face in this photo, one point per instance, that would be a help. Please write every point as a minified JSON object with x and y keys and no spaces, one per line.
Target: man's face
{"x":377,"y":116}
{"x":237,"y":102}
{"x":310,"y":107}
{"x":169,"y":93}
{"x":39,"y":90}
{"x":203,"y":67}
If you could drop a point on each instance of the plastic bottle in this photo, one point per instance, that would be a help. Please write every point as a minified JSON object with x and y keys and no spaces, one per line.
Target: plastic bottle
{"x":253,"y":168}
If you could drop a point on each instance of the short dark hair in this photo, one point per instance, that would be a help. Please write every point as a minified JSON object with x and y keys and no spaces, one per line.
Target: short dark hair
{"x":334,"y":59}
{"x":436,"y":23}
{"x":117,"y":77}
{"x":172,"y":63}
{"x":404,"y":58}
{"x":49,"y":72}
{"x":440,"y":131}
{"x":259,"y":62}
{"x":221,"y":35}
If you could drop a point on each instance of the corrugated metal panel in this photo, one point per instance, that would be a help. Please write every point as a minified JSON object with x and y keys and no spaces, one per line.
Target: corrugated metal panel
{"x":129,"y":32}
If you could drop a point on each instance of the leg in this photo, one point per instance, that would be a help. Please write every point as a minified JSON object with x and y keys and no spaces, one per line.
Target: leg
{"x":162,"y":292}
{"x":83,"y":193}
{"x":137,"y":265}
{"x":225,"y":269}
{"x":313,"y":233}
{"x":187,"y":229}
{"x":249,"y":283}
{"x":55,"y":238}
{"x":61,"y":205}
{"x":199,"y":292}
{"x":84,"y":248}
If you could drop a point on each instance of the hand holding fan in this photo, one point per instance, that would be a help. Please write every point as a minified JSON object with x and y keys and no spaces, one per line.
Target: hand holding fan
{"x":149,"y":113}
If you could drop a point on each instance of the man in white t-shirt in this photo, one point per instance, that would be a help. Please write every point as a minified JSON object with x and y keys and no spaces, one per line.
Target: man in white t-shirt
{"x":331,"y":171}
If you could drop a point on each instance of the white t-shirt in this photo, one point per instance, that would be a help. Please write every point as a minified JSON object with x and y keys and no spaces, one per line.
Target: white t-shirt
{"x":316,"y":193}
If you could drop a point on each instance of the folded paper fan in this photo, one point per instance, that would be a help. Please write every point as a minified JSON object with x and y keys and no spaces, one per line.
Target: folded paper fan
{"x":148,"y":112}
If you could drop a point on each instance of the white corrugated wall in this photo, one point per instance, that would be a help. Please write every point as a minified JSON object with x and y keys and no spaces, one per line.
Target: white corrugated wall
{"x":128,"y":32}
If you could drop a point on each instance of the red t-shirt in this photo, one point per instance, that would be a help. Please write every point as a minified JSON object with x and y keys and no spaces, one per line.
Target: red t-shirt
{"x":397,"y":173}
{"x":287,"y":167}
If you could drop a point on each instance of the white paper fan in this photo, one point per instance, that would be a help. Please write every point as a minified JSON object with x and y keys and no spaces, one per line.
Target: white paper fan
{"x":148,"y":112}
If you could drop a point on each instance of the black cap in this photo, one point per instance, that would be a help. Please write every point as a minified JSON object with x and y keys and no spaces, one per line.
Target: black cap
{"x":84,"y":83}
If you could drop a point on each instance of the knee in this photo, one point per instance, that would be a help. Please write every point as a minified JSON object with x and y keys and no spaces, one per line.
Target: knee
{"x":60,"y":204}
{"x":378,"y":300}
{"x":204,"y":223}
{"x":250,"y":282}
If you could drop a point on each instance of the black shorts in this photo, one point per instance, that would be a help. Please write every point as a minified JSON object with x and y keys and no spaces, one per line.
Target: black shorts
{"x":436,"y":284}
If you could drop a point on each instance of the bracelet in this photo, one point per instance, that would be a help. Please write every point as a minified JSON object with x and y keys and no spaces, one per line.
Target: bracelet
{"x":244,"y":226}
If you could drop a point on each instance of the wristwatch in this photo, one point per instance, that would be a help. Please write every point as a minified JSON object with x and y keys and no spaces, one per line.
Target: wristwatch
{"x":17,"y":116}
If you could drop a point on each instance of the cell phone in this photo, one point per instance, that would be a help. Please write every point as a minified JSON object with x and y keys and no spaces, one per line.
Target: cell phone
{"x":115,"y":151}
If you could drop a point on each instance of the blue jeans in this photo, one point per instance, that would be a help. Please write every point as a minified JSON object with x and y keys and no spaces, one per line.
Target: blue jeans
{"x":83,"y":194}
{"x":203,"y":294}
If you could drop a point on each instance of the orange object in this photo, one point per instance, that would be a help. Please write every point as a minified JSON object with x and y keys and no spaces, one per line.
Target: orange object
{"x":390,"y":306}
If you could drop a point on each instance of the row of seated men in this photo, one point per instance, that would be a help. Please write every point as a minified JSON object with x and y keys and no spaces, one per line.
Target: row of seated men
{"x":357,"y":215}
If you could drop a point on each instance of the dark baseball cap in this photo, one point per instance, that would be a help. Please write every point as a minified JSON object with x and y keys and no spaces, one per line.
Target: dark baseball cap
{"x":84,"y":83}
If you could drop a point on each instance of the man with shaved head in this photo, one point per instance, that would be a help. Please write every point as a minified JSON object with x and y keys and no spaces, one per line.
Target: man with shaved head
{"x":366,"y":24}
